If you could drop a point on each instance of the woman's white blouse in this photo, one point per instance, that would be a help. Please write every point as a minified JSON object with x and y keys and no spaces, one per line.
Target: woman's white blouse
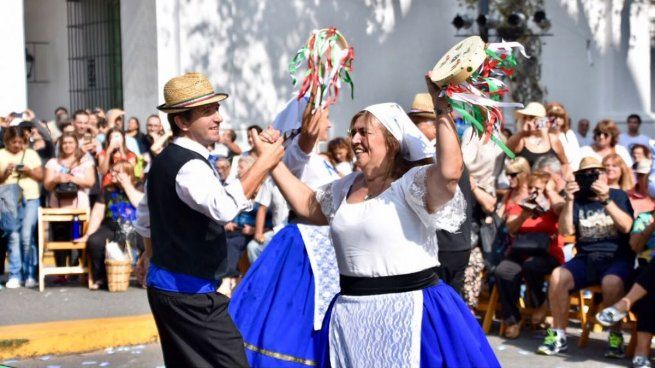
{"x":391,"y":234}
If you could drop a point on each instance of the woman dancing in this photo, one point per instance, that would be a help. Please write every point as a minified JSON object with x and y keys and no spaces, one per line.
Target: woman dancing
{"x":392,"y":310}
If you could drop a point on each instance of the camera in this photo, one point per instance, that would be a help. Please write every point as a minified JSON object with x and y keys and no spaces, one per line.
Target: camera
{"x":585,"y":179}
{"x":536,"y":202}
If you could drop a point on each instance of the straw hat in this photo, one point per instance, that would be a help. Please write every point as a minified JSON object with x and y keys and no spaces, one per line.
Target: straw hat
{"x":422,"y":107}
{"x":590,"y":163}
{"x":532,"y":109}
{"x":642,"y":167}
{"x":188,"y":91}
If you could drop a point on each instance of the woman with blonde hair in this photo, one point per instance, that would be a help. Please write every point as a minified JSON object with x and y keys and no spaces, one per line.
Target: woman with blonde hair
{"x":619,"y":175}
{"x":534,"y":139}
{"x":517,"y":172}
{"x":606,"y":139}
{"x":560,"y":121}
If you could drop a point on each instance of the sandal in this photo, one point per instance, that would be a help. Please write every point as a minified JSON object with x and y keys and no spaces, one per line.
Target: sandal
{"x":610,"y":316}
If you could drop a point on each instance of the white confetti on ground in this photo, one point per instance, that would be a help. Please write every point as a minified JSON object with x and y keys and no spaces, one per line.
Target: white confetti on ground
{"x":502,"y":347}
{"x":46,"y":357}
{"x":524,"y":352}
{"x":136,"y":352}
{"x":54,"y":366}
{"x":105,"y":364}
{"x":10,"y":361}
{"x":139,"y":347}
{"x":109,"y":351}
{"x":89,"y":363}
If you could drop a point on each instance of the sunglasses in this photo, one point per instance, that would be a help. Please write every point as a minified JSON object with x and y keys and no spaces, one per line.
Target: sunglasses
{"x":602,"y":135}
{"x":512,"y":175}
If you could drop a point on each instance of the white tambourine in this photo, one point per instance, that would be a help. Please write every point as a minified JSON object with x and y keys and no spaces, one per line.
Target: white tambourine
{"x":460,"y":62}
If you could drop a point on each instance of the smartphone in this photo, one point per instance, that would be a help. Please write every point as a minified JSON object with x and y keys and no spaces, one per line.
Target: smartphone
{"x":20,"y":167}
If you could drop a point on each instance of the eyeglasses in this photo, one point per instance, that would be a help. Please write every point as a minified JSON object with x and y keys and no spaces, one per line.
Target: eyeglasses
{"x":513,"y":175}
{"x":601,"y":134}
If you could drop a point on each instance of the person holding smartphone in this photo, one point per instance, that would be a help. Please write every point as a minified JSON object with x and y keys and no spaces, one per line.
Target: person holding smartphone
{"x":21,"y":165}
{"x":115,"y":150}
{"x":601,"y":219}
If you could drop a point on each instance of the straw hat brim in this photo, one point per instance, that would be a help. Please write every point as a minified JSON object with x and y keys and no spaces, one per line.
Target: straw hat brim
{"x":179,"y":107}
{"x":423,"y":114}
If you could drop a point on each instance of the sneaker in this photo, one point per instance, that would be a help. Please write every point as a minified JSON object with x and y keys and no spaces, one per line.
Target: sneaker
{"x":616,"y":347}
{"x":13,"y":283}
{"x":30,"y":283}
{"x":610,"y":316}
{"x":552,"y":345}
{"x":640,"y":362}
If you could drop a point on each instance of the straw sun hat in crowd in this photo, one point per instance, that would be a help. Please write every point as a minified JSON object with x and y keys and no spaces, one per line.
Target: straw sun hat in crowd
{"x":422,"y":107}
{"x":188,"y":91}
{"x":590,"y":163}
{"x":532,"y":109}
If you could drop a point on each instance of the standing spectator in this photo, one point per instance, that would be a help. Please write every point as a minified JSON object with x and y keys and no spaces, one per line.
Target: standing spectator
{"x":559,"y":122}
{"x":583,"y":130}
{"x":606,"y":138}
{"x":533,"y":220}
{"x":134,"y":130}
{"x":115,"y":150}
{"x":341,"y":155}
{"x":227,"y":146}
{"x":71,"y":168}
{"x":116,"y":207}
{"x":639,"y":152}
{"x":601,"y":219}
{"x":534,"y":140}
{"x":639,"y":198}
{"x":81,"y":126}
{"x":223,"y":167}
{"x":250,"y":142}
{"x":619,"y":175}
{"x":115,"y":121}
{"x":632,"y":136}
{"x":54,"y":126}
{"x":21,"y":165}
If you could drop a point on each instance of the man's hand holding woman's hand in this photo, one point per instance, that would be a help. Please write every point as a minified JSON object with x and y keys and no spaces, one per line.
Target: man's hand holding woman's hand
{"x":268,"y":146}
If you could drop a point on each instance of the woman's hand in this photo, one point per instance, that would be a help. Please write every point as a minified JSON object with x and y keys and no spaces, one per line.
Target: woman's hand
{"x":439,"y":100}
{"x":271,"y":150}
{"x":248,"y":230}
{"x":65,"y":178}
{"x":124,"y":180}
{"x":230,"y":227}
{"x":83,"y":239}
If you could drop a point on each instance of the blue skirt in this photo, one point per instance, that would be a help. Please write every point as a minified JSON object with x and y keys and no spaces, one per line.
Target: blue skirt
{"x":273,"y":306}
{"x":450,"y":335}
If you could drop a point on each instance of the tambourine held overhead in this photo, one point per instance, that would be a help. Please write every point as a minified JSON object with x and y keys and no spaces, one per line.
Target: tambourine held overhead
{"x":460,"y":62}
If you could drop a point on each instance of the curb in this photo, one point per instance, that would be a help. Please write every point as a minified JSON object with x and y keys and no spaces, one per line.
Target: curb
{"x":75,"y":336}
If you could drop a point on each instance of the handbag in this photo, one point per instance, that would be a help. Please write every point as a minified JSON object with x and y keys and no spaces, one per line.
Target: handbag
{"x":531,"y":244}
{"x":494,"y":240}
{"x":66,"y":190}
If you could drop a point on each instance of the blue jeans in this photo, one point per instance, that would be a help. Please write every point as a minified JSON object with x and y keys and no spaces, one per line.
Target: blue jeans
{"x":21,"y":244}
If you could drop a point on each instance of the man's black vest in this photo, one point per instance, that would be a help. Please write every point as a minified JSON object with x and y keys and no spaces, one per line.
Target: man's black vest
{"x":183,"y":240}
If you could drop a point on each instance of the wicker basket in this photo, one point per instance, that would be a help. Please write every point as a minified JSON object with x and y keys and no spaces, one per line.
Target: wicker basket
{"x":118,"y":272}
{"x":118,"y":275}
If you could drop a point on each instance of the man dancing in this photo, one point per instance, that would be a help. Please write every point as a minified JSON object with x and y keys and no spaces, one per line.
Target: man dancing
{"x":183,"y":214}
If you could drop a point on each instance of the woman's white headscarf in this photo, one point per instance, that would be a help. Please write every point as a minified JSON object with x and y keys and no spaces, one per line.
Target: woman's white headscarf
{"x":414,"y":145}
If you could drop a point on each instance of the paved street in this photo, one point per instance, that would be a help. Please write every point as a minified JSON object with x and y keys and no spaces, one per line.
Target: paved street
{"x":512,"y":354}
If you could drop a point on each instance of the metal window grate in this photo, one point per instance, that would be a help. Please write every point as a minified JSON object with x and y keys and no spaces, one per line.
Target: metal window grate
{"x":94,"y":54}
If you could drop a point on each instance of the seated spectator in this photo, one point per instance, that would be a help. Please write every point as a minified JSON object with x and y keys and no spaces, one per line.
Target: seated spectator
{"x":341,"y":155}
{"x":270,"y":200}
{"x":553,"y":167}
{"x":639,"y":152}
{"x":114,"y":151}
{"x":71,"y":169}
{"x":112,"y":214}
{"x":641,"y":297}
{"x":601,"y":219}
{"x":223,"y":167}
{"x":606,"y":141}
{"x":239,"y":232}
{"x":639,"y":198}
{"x":534,"y":251}
{"x":619,"y":175}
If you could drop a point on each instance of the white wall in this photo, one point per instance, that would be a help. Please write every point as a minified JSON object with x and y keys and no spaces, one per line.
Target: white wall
{"x":13,"y":94}
{"x":45,"y":21}
{"x":618,"y":82}
{"x":139,"y":47}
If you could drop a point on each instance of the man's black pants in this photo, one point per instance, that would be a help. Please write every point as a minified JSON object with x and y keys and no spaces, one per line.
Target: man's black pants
{"x":196,"y":330}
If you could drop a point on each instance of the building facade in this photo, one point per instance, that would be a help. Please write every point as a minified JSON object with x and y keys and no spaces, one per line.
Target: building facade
{"x":119,"y":53}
